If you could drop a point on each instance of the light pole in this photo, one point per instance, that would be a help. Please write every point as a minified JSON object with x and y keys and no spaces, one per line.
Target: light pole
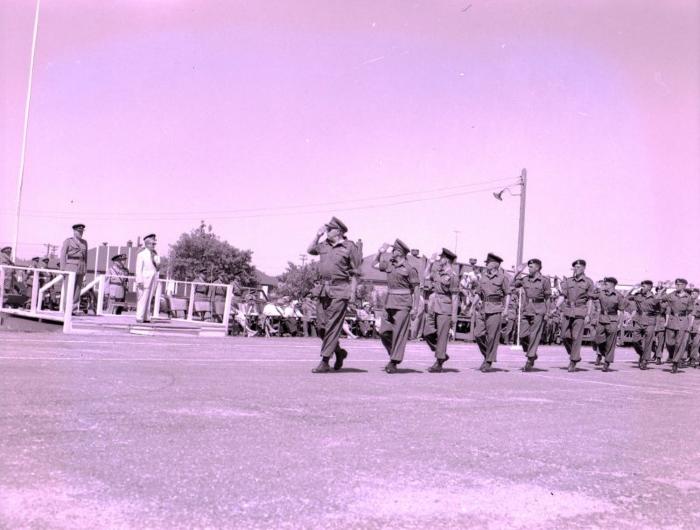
{"x":457,"y":232}
{"x":521,"y":232}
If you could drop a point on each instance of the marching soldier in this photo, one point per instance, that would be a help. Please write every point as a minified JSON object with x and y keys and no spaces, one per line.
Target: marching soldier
{"x":576,"y":294}
{"x":118,"y":280}
{"x":694,"y":339}
{"x":443,"y":303}
{"x":147,"y":267}
{"x":679,"y":305}
{"x":402,"y":300}
{"x":339,"y":266}
{"x":612,"y":306}
{"x":647,"y":308}
{"x":537,"y":290}
{"x":73,"y":257}
{"x":493,"y":291}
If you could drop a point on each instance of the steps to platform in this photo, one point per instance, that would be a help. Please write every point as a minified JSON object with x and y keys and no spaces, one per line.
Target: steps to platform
{"x":161,"y":326}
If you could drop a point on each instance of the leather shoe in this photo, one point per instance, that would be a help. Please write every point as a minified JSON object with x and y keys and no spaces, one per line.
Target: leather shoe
{"x":572,"y":366}
{"x":606,"y":366}
{"x":658,"y":360}
{"x":339,"y":358}
{"x":598,"y":360}
{"x":322,"y":368}
{"x":390,"y":368}
{"x":435,"y":368}
{"x":486,"y":367}
{"x":674,"y":368}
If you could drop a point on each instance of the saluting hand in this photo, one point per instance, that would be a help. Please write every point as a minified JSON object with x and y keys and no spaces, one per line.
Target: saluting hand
{"x":321,"y":231}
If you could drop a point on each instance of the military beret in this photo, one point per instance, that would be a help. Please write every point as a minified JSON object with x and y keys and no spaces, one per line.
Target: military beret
{"x":36,"y":258}
{"x":337,"y":223}
{"x":118,"y":257}
{"x":78,"y":226}
{"x":448,"y":254}
{"x":579,"y":262}
{"x":492,"y":257}
{"x":535,"y":261}
{"x":610,"y":279}
{"x":6,"y":249}
{"x":45,"y":260}
{"x":682,"y":280}
{"x":401,"y":246}
{"x":149,"y":236}
{"x":647,"y":282}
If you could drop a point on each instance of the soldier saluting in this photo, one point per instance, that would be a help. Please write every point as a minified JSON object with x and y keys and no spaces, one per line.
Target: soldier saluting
{"x":612,"y":306}
{"x":402,"y":299}
{"x":537,"y":290}
{"x":679,"y":306}
{"x":647,"y":308}
{"x":339,"y":266}
{"x":73,"y":257}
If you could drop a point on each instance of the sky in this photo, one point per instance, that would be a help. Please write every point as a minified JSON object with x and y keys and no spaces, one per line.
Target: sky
{"x":400,"y":117}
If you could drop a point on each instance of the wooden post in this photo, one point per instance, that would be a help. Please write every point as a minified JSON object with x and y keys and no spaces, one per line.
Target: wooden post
{"x":227,"y":307}
{"x":69,"y":288}
{"x":190,"y":306}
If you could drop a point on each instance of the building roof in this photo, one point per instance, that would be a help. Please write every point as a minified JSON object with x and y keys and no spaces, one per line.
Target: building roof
{"x":265,"y":279}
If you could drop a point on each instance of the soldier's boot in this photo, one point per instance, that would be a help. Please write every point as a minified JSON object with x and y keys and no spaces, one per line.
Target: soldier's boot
{"x":572,"y":366}
{"x":340,"y":356}
{"x":436,"y":367}
{"x":693,"y":363}
{"x":658,"y":359}
{"x":529,"y":365}
{"x":606,"y":366}
{"x":390,"y":368}
{"x":674,"y":368}
{"x":643,"y":365}
{"x":598,"y":359}
{"x":486,"y":367}
{"x":323,"y":367}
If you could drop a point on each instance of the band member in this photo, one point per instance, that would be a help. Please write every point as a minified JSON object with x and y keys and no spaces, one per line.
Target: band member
{"x":537,"y":290}
{"x":339,"y":266}
{"x":679,"y":306}
{"x":576,"y":293}
{"x":612,"y":306}
{"x":147,"y":267}
{"x":73,"y":257}
{"x":402,"y":300}
{"x":118,"y":280}
{"x":647,"y":308}
{"x":492,"y":294}
{"x":442,"y":282}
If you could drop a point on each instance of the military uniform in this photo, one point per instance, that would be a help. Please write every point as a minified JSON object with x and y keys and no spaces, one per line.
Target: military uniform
{"x":402,"y":280}
{"x":339,"y":264}
{"x":73,"y":257}
{"x":577,"y":292}
{"x":29,"y":280}
{"x":492,"y":287}
{"x":442,"y":284}
{"x":679,"y":305}
{"x":609,"y":321}
{"x":218,"y":293}
{"x":537,"y":290}
{"x":694,"y":340}
{"x":647,"y":308}
{"x":6,"y":259}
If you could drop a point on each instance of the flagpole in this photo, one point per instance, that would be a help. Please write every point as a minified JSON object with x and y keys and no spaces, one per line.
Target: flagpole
{"x":20,"y":178}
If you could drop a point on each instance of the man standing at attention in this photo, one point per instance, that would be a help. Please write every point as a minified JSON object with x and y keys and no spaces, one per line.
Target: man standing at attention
{"x":147,"y":267}
{"x":73,"y":257}
{"x":576,"y":295}
{"x":493,"y":291}
{"x":537,"y":290}
{"x":339,"y":266}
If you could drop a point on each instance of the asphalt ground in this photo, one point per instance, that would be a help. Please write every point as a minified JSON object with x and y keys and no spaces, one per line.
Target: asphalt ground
{"x":119,"y":431}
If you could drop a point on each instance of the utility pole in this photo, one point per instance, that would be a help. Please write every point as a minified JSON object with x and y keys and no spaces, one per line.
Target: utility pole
{"x":50,"y":249}
{"x":303,"y":258}
{"x":521,"y":220}
{"x":457,"y":232}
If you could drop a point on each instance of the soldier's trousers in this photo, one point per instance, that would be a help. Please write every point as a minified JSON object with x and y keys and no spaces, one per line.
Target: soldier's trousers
{"x":676,"y":340}
{"x":606,"y":340}
{"x":436,"y":332}
{"x":507,"y":329}
{"x":695,"y":345}
{"x":418,"y":323}
{"x":531,"y":329}
{"x":144,"y":297}
{"x":76,"y":291}
{"x":572,"y":336}
{"x":659,"y":344}
{"x":394,"y":332}
{"x":487,"y":330}
{"x":330,"y":315}
{"x":643,"y":340}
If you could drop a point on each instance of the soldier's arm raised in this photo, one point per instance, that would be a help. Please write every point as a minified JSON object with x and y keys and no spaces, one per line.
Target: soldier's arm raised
{"x":313,"y":250}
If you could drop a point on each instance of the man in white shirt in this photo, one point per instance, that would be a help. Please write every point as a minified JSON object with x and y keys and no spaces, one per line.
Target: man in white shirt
{"x":147,"y":266}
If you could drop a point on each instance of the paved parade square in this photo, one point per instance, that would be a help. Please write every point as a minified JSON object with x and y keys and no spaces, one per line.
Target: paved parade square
{"x":119,"y":431}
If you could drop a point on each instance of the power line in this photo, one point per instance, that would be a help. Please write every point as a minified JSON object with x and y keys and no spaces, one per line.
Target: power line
{"x":187,"y":215}
{"x":179,"y":213}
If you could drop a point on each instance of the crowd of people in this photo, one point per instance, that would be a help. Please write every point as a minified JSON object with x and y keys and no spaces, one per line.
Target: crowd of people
{"x":433,"y":300}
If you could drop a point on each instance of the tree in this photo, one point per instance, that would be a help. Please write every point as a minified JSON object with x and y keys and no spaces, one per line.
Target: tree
{"x":202,"y":248}
{"x":297,"y":281}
